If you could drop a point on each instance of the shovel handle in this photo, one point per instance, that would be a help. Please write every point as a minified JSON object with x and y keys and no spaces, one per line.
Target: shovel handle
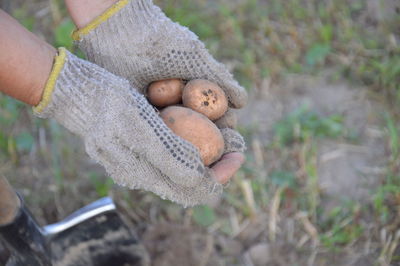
{"x":9,"y":202}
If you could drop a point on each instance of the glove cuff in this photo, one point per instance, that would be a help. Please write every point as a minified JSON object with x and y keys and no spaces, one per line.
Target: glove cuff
{"x":79,"y":33}
{"x":64,"y":96}
{"x":58,"y":65}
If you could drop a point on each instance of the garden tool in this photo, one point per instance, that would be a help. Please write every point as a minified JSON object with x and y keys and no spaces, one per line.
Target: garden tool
{"x":95,"y":235}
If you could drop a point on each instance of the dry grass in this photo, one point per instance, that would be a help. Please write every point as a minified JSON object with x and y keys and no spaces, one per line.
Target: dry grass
{"x":275,"y":211}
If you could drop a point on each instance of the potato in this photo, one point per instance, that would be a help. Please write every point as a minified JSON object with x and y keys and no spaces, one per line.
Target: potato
{"x":165,"y":92}
{"x":197,"y":129}
{"x":205,"y":97}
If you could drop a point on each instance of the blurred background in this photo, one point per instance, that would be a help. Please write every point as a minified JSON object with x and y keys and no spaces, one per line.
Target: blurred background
{"x":321,"y":184}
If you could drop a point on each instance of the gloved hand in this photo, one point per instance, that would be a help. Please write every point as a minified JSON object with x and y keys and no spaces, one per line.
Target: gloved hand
{"x":134,"y":39}
{"x":122,"y":132}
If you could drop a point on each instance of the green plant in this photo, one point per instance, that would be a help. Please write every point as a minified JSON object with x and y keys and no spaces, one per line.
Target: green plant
{"x":204,"y":215}
{"x":311,"y":184}
{"x":185,"y":13}
{"x":340,"y":227}
{"x":9,"y":110}
{"x":62,"y":34}
{"x":387,"y":196}
{"x":283,"y":179}
{"x":24,"y":142}
{"x":3,"y":142}
{"x":101,"y":185}
{"x":317,"y":53}
{"x":341,"y":234}
{"x":23,"y":16}
{"x":303,"y":123}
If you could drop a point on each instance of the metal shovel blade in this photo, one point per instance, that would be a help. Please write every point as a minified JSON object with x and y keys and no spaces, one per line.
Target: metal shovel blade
{"x":92,"y":236}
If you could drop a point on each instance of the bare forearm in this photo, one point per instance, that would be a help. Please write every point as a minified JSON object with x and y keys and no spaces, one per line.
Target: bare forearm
{"x":25,"y":61}
{"x":83,"y":12}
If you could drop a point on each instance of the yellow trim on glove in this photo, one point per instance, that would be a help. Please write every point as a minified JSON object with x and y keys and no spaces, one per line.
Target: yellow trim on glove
{"x":79,"y":33}
{"x":59,"y":61}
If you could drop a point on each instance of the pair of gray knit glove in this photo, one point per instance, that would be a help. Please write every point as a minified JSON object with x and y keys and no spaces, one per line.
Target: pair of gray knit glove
{"x":136,"y":41}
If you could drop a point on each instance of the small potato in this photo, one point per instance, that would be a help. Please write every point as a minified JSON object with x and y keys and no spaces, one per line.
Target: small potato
{"x":205,"y":97}
{"x":197,"y":129}
{"x":165,"y":92}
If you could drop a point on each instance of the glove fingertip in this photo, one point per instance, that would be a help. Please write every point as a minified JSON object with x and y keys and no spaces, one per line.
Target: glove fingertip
{"x":237,"y":95}
{"x":234,"y":142}
{"x":228,"y":120}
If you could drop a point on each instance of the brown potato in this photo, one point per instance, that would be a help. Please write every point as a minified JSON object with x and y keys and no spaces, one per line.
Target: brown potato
{"x":197,"y":129}
{"x":165,"y":92}
{"x":205,"y":97}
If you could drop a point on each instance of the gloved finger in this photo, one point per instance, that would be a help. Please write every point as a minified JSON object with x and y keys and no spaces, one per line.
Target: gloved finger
{"x":227,"y":166}
{"x":135,"y":172}
{"x":139,"y":85}
{"x":233,"y":141}
{"x":236,"y":94}
{"x":228,"y":120}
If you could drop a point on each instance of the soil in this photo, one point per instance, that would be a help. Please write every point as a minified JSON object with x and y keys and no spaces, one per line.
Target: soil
{"x":346,"y":170}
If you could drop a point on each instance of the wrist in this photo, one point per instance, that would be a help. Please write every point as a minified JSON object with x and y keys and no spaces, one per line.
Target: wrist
{"x":83,"y":12}
{"x":25,"y":61}
{"x":37,"y":89}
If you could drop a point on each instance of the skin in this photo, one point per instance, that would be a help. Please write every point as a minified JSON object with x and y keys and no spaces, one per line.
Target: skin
{"x":227,"y":166}
{"x":26,"y":62}
{"x":83,"y":12}
{"x":9,"y":202}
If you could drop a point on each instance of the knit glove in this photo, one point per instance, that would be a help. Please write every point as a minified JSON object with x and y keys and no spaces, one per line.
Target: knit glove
{"x":123,"y":132}
{"x":134,"y":39}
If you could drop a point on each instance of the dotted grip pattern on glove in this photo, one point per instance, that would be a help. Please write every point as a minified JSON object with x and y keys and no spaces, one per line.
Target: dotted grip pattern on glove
{"x":122,"y":132}
{"x":135,"y":40}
